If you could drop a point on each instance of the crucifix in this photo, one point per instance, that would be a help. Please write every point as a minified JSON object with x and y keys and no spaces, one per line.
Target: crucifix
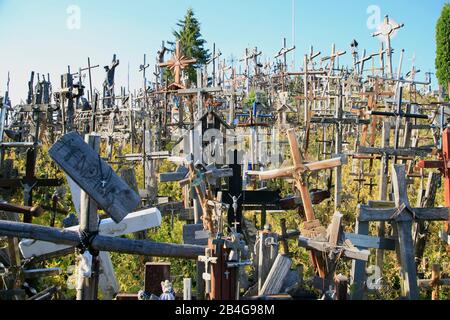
{"x":108,"y":85}
{"x":298,"y":173}
{"x":401,"y":217}
{"x":177,"y":64}
{"x":29,"y":182}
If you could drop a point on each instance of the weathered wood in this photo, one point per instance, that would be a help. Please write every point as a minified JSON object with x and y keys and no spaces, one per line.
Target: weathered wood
{"x":195,"y":234}
{"x":33,"y":211}
{"x":155,"y":273}
{"x":89,"y":223}
{"x":267,"y":249}
{"x":368,"y":242}
{"x":100,"y":243}
{"x":432,"y":214}
{"x":416,"y":152}
{"x":335,"y":229}
{"x":134,"y":222}
{"x":94,"y":176}
{"x":278,"y":272}
{"x":187,"y":289}
{"x":40,"y":273}
{"x":358,"y":274}
{"x":341,"y":282}
{"x":352,"y":253}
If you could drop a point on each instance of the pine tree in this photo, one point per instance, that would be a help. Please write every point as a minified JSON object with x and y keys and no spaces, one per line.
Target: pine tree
{"x":191,"y":41}
{"x":443,"y":47}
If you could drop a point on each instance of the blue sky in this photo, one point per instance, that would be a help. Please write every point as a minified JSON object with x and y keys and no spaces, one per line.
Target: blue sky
{"x":34,"y":34}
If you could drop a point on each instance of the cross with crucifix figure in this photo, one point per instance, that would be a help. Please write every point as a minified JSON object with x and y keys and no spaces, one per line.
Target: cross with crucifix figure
{"x":402,"y":217}
{"x":298,"y":172}
{"x":29,"y":182}
{"x":177,"y":64}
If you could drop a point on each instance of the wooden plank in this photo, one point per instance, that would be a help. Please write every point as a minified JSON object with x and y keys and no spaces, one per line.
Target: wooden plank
{"x":358,"y":274}
{"x":94,"y":176}
{"x":335,"y":229}
{"x":416,"y":152}
{"x":351,"y":253}
{"x":277,"y":274}
{"x":408,"y":271}
{"x":432,"y":214}
{"x":108,"y":283}
{"x":367,"y":214}
{"x":134,"y":222}
{"x":40,"y":273}
{"x":187,"y":289}
{"x":195,"y":234}
{"x":100,"y":242}
{"x":267,"y":250}
{"x":325,"y":164}
{"x":368,"y":242}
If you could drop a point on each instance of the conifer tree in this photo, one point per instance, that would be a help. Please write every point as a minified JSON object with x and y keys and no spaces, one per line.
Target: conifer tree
{"x":443,"y":48}
{"x":191,"y":41}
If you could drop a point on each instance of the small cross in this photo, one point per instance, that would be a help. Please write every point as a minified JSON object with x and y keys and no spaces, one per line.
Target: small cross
{"x":227,"y":274}
{"x":103,"y":182}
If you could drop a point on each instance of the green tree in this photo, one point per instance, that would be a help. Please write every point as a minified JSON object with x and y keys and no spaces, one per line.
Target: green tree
{"x":443,"y":47}
{"x":191,"y":41}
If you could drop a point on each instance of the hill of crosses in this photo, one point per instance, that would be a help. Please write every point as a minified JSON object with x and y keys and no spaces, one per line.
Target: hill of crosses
{"x":252,"y":178}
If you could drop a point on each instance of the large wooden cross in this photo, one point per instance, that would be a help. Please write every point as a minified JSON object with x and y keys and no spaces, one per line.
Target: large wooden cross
{"x":402,"y":218}
{"x":177,"y":63}
{"x":297,"y":172}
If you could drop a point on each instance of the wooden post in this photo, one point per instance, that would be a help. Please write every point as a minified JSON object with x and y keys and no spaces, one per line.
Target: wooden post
{"x":89,"y":224}
{"x":278,"y":272}
{"x":435,"y":277}
{"x":359,"y":275}
{"x":155,"y":273}
{"x":341,"y":287}
{"x":384,"y":172}
{"x":187,"y":289}
{"x":267,"y":253}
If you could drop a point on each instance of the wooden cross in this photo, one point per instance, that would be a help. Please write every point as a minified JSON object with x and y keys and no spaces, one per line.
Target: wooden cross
{"x":297,"y":172}
{"x":283,"y":53}
{"x":176,"y":64}
{"x":387,"y":30}
{"x":334,"y":246}
{"x":402,"y":218}
{"x":443,"y":164}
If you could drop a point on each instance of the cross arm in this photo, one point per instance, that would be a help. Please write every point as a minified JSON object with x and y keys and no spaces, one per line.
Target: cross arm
{"x":432,"y":214}
{"x":367,"y":214}
{"x":351,"y":253}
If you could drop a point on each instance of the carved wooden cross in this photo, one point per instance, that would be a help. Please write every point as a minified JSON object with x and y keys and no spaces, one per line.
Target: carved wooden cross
{"x":402,"y":218}
{"x":177,"y":63}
